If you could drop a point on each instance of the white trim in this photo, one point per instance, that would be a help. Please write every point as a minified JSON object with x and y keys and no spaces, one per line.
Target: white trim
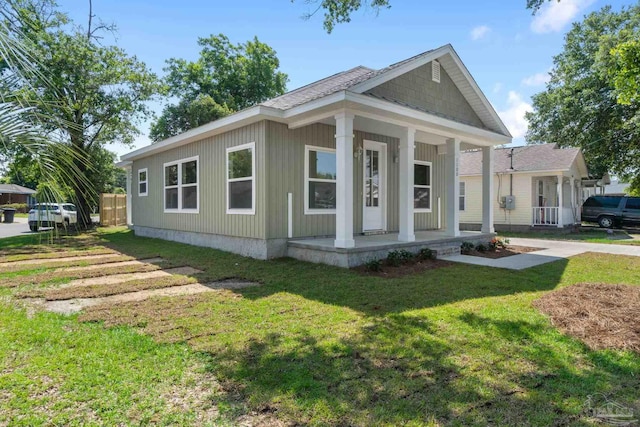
{"x":290,"y":215}
{"x":146,"y":182}
{"x":180,"y":186}
{"x":249,"y":146}
{"x":307,"y":210}
{"x":462,"y":196}
{"x":383,"y":149}
{"x":430,"y":186}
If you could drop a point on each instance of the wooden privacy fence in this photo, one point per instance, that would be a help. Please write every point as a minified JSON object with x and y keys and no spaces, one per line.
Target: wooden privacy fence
{"x":113,"y":209}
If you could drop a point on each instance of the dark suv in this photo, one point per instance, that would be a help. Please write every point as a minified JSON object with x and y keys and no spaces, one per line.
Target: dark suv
{"x":612,"y":211}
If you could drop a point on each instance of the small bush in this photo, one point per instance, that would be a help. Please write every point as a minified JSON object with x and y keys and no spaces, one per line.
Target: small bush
{"x":467,"y":247}
{"x":481,"y":247}
{"x":427,"y":253}
{"x":374,"y":265}
{"x":20,"y":207}
{"x":398,"y":257}
{"x":498,"y":243}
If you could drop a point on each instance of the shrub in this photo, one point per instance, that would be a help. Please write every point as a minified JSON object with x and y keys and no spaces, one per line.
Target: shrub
{"x":498,"y":243}
{"x":20,"y":207}
{"x":481,"y":247}
{"x":466,"y":247}
{"x":427,"y":253}
{"x":401,"y":256}
{"x":373,"y":265}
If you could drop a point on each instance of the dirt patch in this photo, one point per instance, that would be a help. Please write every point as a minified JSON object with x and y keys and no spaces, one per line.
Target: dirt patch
{"x":116,"y":264}
{"x":119,"y":278}
{"x":502,"y":252}
{"x":601,"y":315}
{"x":231,"y":284}
{"x":411,"y":267}
{"x":59,"y":254}
{"x":46,"y":261}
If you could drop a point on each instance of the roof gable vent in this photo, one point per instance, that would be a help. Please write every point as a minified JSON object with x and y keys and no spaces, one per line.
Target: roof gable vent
{"x":435,"y":71}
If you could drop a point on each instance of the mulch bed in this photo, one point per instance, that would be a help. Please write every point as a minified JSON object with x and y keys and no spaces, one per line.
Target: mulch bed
{"x":502,"y":252}
{"x":603,"y":316}
{"x":412,"y":267}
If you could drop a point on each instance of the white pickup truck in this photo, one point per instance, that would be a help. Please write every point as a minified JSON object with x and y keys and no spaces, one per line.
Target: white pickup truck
{"x":52,"y":215}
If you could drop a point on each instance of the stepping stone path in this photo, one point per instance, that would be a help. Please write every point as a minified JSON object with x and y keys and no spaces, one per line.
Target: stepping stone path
{"x":113,"y":264}
{"x":53,"y":260}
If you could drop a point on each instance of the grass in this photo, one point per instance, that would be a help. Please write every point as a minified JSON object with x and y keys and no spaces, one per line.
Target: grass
{"x":460,"y":345}
{"x":619,"y":237}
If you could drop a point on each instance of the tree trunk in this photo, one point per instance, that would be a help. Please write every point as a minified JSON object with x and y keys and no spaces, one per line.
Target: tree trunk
{"x":82,"y":188}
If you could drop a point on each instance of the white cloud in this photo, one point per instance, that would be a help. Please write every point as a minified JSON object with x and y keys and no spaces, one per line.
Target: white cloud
{"x":554,"y":15}
{"x":513,"y":116}
{"x":479,"y":32}
{"x":537,"y":79}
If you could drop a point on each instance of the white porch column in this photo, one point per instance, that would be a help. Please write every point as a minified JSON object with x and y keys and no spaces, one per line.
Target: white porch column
{"x":407,"y":142}
{"x":344,"y":181}
{"x":574,"y":203}
{"x":453,"y":187}
{"x":129,"y":173}
{"x":560,"y":202}
{"x":487,"y":189}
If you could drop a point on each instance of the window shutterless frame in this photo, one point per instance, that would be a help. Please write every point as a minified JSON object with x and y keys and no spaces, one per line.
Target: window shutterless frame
{"x":144,"y":181}
{"x":430,"y":186}
{"x":307,"y":180}
{"x":244,"y":211}
{"x":180,"y":186}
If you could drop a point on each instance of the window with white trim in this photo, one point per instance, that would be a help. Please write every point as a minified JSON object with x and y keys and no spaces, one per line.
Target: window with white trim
{"x":320,"y":180}
{"x":422,"y":186}
{"x":143,"y":182}
{"x":462,"y":199}
{"x":241,"y":168}
{"x":181,"y":186}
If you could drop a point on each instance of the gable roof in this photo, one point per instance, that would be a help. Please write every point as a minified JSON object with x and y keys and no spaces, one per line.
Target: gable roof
{"x":528,"y":158}
{"x":15,"y":189}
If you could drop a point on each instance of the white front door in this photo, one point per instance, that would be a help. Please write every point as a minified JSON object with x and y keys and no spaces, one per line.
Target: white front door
{"x":374,"y":186}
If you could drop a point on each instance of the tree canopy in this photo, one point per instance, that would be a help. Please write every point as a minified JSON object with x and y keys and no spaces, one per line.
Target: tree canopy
{"x":88,"y":93}
{"x":226,"y":77}
{"x":590,"y":100}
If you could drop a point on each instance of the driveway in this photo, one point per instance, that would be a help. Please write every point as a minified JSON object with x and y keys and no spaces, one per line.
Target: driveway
{"x":18,"y":228}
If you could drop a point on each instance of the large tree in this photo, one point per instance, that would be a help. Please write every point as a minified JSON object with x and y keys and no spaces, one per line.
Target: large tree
{"x":582,"y":106}
{"x":225,"y":78}
{"x":90,"y":94}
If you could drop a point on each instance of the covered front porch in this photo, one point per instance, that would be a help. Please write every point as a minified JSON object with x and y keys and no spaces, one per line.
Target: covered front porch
{"x":378,"y":246}
{"x":556,"y":201}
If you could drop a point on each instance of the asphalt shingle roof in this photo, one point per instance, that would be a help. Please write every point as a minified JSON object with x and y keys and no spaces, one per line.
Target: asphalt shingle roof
{"x":528,"y":158}
{"x":15,"y":189}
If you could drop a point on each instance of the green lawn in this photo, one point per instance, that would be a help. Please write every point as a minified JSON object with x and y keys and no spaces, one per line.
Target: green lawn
{"x":619,"y":237}
{"x":317,"y":345}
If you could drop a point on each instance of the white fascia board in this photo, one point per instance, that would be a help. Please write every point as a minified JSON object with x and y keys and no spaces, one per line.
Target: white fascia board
{"x":315,"y":105}
{"x":474,"y":134}
{"x":233,"y":121}
{"x":124,"y":164}
{"x":403,"y":69}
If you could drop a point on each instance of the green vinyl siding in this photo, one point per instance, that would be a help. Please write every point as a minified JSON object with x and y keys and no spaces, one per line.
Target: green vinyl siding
{"x":416,"y":89}
{"x":285,"y":151}
{"x":212,"y":217}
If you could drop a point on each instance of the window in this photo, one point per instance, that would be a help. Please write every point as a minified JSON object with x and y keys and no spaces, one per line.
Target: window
{"x":422,"y":186}
{"x":633,"y":203}
{"x":142,"y":182}
{"x":240,"y":179}
{"x":320,"y":180}
{"x":181,"y":189}
{"x":461,"y":197}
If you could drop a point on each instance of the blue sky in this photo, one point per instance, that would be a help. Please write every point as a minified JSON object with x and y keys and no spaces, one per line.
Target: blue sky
{"x":507,"y":50}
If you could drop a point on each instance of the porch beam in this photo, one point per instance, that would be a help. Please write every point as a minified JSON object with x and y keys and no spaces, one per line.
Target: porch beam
{"x":452,"y":160}
{"x":407,"y":143}
{"x":344,"y":180}
{"x":560,"y":201}
{"x":487,"y":189}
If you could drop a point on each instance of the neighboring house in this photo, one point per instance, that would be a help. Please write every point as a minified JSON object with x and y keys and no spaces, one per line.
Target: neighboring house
{"x":13,"y":193}
{"x":534,"y":185}
{"x":338,"y":171}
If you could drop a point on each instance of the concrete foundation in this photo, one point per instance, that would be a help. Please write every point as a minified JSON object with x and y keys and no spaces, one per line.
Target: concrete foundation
{"x":254,"y":248}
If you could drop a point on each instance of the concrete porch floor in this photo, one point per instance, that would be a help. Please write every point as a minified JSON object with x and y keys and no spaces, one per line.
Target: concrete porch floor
{"x":378,"y":246}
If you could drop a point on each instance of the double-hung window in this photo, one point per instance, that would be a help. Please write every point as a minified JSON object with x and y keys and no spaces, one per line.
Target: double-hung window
{"x":241,"y":172}
{"x":320,"y":180}
{"x":181,"y":186}
{"x":422,"y":186}
{"x":462,"y":200}
{"x":143,"y":182}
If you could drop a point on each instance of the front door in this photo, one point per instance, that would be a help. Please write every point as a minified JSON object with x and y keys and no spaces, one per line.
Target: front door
{"x":374,"y":186}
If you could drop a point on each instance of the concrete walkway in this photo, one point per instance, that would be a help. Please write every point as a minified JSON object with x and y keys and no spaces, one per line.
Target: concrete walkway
{"x":18,"y":228}
{"x":550,"y":250}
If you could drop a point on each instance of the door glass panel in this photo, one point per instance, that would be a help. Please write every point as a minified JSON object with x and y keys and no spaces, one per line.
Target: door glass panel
{"x":372,"y":178}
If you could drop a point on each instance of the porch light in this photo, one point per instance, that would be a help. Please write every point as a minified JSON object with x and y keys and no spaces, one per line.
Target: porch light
{"x":357,"y":153}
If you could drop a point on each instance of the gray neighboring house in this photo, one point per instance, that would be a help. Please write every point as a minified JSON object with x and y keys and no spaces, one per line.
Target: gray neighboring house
{"x":534,"y":186}
{"x":338,"y":171}
{"x":14,"y":193}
